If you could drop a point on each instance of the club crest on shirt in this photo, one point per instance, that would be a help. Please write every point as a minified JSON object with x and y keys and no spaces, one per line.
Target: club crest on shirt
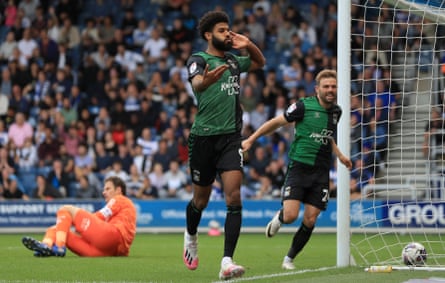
{"x":193,"y":67}
{"x":291,"y":108}
{"x":335,"y":118}
{"x":232,"y":64}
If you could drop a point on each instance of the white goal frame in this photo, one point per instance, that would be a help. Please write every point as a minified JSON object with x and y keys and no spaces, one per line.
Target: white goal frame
{"x":344,"y":230}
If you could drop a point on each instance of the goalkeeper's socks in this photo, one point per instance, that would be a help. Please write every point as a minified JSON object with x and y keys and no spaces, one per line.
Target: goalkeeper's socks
{"x":63,"y":224}
{"x":50,"y":236}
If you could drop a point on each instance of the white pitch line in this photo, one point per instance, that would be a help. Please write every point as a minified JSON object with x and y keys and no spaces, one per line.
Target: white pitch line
{"x":274,"y":275}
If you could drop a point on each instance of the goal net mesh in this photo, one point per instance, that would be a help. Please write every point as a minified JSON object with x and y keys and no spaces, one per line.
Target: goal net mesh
{"x":397,"y":130}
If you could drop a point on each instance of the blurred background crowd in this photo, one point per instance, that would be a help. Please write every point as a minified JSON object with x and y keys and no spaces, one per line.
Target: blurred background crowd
{"x":94,"y":88}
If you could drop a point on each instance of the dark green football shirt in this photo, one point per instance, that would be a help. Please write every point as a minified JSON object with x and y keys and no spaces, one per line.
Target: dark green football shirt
{"x":314,"y":127}
{"x":219,"y":109}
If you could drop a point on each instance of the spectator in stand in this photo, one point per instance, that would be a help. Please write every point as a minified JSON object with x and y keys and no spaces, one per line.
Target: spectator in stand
{"x":176,"y":179}
{"x":308,"y":36}
{"x":101,"y":57}
{"x":72,"y":140}
{"x":384,"y":102}
{"x":284,"y":35}
{"x":103,"y":117}
{"x":124,"y":157}
{"x":147,"y":191}
{"x":158,"y":180}
{"x":257,"y":31}
{"x":84,"y":190}
{"x":178,"y":35}
{"x":10,"y":189}
{"x":44,"y":190}
{"x":361,"y":176}
{"x":116,"y":170}
{"x":41,"y":88}
{"x":172,"y":142}
{"x":70,"y":35}
{"x":52,"y":25}
{"x":19,"y":101}
{"x":83,"y":159}
{"x":68,"y":112}
{"x":62,"y":84}
{"x":102,"y":160}
{"x":152,"y":47}
{"x":6,"y":86}
{"x":126,"y":58}
{"x":7,"y":47}
{"x":67,"y":161}
{"x":90,"y":30}
{"x":48,"y":150}
{"x":315,"y":17}
{"x":248,"y":99}
{"x":141,"y":34}
{"x":118,"y":133}
{"x":106,"y":30}
{"x":142,"y":162}
{"x":147,"y":142}
{"x":93,"y":179}
{"x":10,"y":13}
{"x":186,"y":192}
{"x":376,"y":138}
{"x":26,"y":156}
{"x":59,"y":179}
{"x":134,"y":182}
{"x":49,"y":49}
{"x":3,"y":134}
{"x":20,"y":130}
{"x":257,"y":170}
{"x":292,"y":74}
{"x":308,"y":83}
{"x":128,"y":25}
{"x":27,"y":44}
{"x":434,"y":135}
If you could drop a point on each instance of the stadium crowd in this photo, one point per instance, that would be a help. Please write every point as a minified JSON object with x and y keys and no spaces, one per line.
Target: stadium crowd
{"x":90,"y":89}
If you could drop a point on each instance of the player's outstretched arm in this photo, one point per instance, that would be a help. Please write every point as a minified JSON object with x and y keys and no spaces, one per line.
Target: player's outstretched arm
{"x":202,"y":82}
{"x":343,"y":159}
{"x":265,"y":129}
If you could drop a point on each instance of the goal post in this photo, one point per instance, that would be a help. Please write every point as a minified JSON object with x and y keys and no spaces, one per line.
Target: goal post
{"x":343,"y":136}
{"x":393,"y":49}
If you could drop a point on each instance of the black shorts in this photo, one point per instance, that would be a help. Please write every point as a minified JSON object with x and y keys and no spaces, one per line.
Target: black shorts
{"x":308,"y":184}
{"x":211,"y":155}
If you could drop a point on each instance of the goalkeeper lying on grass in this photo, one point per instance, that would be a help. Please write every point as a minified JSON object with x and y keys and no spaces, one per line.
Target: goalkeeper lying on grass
{"x":107,"y":232}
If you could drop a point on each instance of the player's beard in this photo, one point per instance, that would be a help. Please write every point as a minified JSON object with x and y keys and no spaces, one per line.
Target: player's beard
{"x":221,"y":44}
{"x":327,"y":101}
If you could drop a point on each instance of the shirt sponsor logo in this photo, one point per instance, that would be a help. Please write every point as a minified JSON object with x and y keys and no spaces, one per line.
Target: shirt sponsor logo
{"x":231,"y":86}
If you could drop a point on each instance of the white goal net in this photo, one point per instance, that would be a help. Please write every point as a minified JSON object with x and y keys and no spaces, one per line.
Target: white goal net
{"x":397,"y":129}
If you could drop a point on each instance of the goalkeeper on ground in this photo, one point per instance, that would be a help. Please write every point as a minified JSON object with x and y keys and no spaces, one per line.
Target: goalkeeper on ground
{"x":107,"y":232}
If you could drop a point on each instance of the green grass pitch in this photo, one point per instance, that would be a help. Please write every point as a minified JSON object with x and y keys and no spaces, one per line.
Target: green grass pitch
{"x":157,"y":258}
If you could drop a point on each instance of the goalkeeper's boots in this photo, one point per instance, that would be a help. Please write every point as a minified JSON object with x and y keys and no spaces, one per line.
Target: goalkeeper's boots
{"x":190,"y":255}
{"x":230,"y":270}
{"x":273,"y":226}
{"x":287,"y":264}
{"x":59,"y":251}
{"x":40,"y":249}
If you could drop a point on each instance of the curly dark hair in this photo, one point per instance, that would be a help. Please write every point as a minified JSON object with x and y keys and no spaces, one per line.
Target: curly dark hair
{"x":210,"y":19}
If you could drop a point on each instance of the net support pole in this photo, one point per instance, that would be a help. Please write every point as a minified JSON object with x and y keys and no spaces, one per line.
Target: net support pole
{"x":343,"y":133}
